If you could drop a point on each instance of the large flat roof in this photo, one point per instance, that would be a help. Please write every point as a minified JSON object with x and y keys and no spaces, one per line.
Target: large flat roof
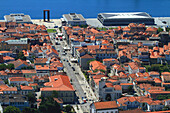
{"x":19,"y":18}
{"x":74,"y":17}
{"x":125,"y":15}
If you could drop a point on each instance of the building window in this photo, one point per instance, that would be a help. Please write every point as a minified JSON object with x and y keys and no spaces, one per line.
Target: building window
{"x":116,"y":111}
{"x":61,"y":94}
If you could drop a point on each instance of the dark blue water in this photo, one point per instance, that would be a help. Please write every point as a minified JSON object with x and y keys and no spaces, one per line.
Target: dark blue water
{"x":89,"y":8}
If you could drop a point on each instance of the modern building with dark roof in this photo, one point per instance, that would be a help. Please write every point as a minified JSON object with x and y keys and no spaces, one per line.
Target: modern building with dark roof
{"x":74,"y":19}
{"x":113,"y":19}
{"x":18,"y":18}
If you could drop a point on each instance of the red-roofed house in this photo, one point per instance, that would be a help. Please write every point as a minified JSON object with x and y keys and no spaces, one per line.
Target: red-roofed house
{"x":42,"y":70}
{"x":24,"y":90}
{"x":16,"y":81}
{"x":28,"y":73}
{"x":62,"y":85}
{"x":110,"y":61}
{"x":8,"y":59}
{"x":18,"y":64}
{"x":125,"y":86}
{"x":127,"y":103}
{"x":104,"y":107}
{"x":10,"y":90}
{"x":154,"y":74}
{"x":133,"y":67}
{"x":96,"y":65}
{"x":156,"y":105}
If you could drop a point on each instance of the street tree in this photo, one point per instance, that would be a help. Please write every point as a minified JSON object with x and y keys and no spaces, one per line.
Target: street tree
{"x":12,"y":109}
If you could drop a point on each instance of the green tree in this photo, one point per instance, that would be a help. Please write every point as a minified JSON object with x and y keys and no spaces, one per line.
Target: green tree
{"x":29,"y":67}
{"x":48,"y":105}
{"x":161,"y":97}
{"x":3,"y":67}
{"x":160,"y":30}
{"x":166,"y":108}
{"x":10,"y":66}
{"x":12,"y":109}
{"x":68,"y":108}
{"x":31,"y":98}
{"x":130,"y":88}
{"x":20,"y":56}
{"x":29,"y":110}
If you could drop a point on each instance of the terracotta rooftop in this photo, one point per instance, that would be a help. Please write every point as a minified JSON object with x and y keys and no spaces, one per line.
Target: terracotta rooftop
{"x":26,"y":88}
{"x":87,"y":56}
{"x":17,"y":79}
{"x":58,"y":82}
{"x":105,"y":105}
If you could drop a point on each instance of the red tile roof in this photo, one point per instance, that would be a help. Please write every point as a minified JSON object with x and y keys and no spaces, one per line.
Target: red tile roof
{"x":10,"y":89}
{"x":17,"y":79}
{"x":105,"y":105}
{"x":26,"y":88}
{"x":19,"y":62}
{"x":59,"y":83}
{"x":87,"y":56}
{"x":96,"y":65}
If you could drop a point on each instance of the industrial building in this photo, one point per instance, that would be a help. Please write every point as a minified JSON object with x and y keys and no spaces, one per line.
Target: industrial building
{"x":18,"y":18}
{"x":114,"y":19}
{"x":74,"y":19}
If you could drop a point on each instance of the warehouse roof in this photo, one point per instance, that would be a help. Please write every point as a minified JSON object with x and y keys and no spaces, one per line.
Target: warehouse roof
{"x":125,"y":15}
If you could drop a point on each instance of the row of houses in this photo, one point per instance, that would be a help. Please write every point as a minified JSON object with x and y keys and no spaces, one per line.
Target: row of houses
{"x":136,"y":103}
{"x":115,"y":61}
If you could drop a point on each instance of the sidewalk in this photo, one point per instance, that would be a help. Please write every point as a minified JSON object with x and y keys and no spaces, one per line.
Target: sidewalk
{"x":77,"y":110}
{"x":91,"y":93}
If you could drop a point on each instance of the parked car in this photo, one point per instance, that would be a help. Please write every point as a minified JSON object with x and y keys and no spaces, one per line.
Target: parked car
{"x":73,"y":68}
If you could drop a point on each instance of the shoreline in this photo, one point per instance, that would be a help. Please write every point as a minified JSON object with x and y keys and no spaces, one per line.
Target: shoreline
{"x":85,"y":18}
{"x":95,"y":22}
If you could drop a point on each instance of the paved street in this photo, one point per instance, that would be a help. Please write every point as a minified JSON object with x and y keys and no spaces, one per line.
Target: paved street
{"x":77,"y":78}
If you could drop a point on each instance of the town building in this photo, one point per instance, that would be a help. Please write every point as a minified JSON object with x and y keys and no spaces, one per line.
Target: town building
{"x":114,"y":19}
{"x":62,"y":85}
{"x":18,"y":18}
{"x":21,"y":44}
{"x":104,"y":107}
{"x":74,"y":19}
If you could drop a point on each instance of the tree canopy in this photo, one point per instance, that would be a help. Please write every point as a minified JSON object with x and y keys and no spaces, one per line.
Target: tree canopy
{"x":31,"y":98}
{"x":48,"y":105}
{"x":12,"y":109}
{"x":29,"y":110}
{"x":20,"y":56}
{"x":68,"y":108}
{"x":28,"y":67}
{"x":9,"y":66}
{"x":158,"y":67}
